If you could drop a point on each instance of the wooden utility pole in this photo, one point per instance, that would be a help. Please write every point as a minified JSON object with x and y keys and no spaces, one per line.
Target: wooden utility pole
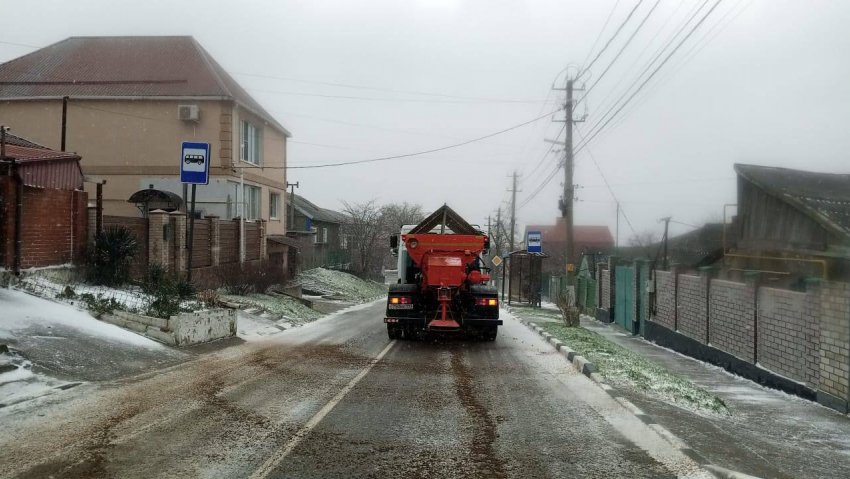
{"x":513,"y":212}
{"x":569,"y":193}
{"x":666,"y":231}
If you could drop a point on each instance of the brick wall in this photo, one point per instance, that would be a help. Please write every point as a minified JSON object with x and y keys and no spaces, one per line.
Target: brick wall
{"x":834,"y":300}
{"x":692,"y":301}
{"x":606,"y":289}
{"x":54,"y":226}
{"x":665,"y":297}
{"x":731,"y":318}
{"x":789,"y":335}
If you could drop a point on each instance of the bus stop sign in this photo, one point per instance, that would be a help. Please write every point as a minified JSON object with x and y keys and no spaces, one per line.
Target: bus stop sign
{"x":195,"y":163}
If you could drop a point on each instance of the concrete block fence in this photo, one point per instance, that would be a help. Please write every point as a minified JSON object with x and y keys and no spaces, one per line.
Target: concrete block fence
{"x":798,"y":341}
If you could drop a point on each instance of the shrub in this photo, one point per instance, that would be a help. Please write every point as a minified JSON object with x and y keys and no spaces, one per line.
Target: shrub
{"x":244,"y":278}
{"x":99,"y":305}
{"x":67,"y":293}
{"x":109,"y":262}
{"x":210,"y":298}
{"x":166,"y":292}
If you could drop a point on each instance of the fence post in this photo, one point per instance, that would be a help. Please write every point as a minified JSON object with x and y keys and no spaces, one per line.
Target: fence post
{"x":181,"y":252}
{"x":215,"y":240}
{"x":674,"y":274}
{"x":158,"y":226}
{"x":706,"y":274}
{"x":612,"y":288}
{"x":262,"y":235}
{"x":753,"y":281}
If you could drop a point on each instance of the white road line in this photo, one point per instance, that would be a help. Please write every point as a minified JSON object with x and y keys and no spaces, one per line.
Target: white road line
{"x":278,"y":457}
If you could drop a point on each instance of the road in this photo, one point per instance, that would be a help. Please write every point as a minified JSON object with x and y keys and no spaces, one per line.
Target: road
{"x":337,"y":398}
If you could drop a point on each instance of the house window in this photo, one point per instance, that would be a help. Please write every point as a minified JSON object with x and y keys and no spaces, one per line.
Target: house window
{"x":324,"y":235}
{"x":274,"y":206}
{"x":252,"y":202}
{"x":250,"y":144}
{"x":343,"y":242}
{"x":315,"y":234}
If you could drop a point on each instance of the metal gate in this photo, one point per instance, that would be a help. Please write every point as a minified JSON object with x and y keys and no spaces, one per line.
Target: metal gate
{"x":624,"y":310}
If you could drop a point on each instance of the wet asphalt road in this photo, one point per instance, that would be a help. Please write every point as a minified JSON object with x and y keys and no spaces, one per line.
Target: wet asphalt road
{"x":314,"y":402}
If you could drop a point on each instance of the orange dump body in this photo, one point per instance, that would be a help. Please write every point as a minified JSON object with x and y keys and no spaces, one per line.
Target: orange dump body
{"x":444,"y":259}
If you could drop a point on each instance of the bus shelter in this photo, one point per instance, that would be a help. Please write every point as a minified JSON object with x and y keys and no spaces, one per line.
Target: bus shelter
{"x":524,"y":282}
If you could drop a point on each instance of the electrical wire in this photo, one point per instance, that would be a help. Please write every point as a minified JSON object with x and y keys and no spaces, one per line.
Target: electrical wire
{"x":625,"y":45}
{"x":393,"y":100}
{"x":599,"y":36}
{"x":654,"y":72}
{"x":608,"y":43}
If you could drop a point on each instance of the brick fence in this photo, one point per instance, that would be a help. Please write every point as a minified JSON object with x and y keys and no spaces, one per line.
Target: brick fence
{"x":163,"y":240}
{"x":54,"y":226}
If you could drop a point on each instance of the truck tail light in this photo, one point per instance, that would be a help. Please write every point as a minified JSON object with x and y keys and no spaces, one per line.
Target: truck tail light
{"x":486,"y":302}
{"x":401,"y":300}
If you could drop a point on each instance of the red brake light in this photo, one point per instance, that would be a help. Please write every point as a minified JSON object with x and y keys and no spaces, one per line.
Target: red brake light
{"x":486,"y":302}
{"x":401,"y":300}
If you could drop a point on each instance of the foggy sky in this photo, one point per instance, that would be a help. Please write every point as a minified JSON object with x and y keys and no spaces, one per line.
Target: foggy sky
{"x":772,"y":88}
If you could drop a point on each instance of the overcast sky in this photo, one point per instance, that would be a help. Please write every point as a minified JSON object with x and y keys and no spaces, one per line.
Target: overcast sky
{"x":772,"y":87}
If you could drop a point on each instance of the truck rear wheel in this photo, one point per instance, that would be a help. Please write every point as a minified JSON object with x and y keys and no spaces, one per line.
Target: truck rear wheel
{"x":394,"y":332}
{"x":490,"y":333}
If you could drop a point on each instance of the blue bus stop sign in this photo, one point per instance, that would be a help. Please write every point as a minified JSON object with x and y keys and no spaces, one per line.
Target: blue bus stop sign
{"x":534,"y":242}
{"x":195,"y":163}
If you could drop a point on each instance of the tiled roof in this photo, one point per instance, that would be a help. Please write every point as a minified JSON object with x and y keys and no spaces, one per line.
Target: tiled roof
{"x":825,"y":197}
{"x":144,"y":66}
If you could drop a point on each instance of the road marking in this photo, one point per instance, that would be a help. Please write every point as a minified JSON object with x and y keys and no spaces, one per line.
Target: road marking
{"x":278,"y":457}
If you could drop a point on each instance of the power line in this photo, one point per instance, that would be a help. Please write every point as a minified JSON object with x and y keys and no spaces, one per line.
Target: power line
{"x":19,"y":44}
{"x":599,"y":36}
{"x":408,"y":155}
{"x":607,"y":44}
{"x":655,"y":57}
{"x":542,"y":185}
{"x":654,"y":72}
{"x":619,"y":53}
{"x":545,"y":155}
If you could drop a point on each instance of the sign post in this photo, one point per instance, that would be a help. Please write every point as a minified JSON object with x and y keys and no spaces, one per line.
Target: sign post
{"x":194,"y":170}
{"x":534,"y":241}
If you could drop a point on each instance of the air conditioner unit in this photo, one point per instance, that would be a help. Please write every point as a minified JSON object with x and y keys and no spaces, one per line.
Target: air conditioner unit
{"x":189,"y":112}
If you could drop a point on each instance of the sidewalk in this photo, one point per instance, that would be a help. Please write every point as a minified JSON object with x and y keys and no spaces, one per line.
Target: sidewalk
{"x":770,"y":434}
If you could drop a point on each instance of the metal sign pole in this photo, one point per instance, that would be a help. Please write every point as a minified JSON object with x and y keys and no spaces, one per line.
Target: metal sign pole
{"x":191,"y":235}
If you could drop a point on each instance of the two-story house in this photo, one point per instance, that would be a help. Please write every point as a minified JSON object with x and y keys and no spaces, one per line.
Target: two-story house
{"x":130,"y":102}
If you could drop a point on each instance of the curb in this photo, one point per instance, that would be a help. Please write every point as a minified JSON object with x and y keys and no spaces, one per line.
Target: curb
{"x":584,"y":366}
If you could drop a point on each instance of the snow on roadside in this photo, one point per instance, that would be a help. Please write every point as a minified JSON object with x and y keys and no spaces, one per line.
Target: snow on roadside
{"x":331,"y":282}
{"x":23,"y":383}
{"x":22,"y":312}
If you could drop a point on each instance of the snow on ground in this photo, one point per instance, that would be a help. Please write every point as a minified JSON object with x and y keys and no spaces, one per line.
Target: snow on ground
{"x":250,"y":327}
{"x":337,"y":283}
{"x":22,"y":312}
{"x":23,"y":383}
{"x":277,"y":305}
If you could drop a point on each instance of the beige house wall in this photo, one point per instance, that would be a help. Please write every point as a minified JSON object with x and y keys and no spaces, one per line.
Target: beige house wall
{"x":129,"y":142}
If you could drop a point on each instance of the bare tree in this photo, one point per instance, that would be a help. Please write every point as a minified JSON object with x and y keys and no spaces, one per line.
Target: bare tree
{"x":365,"y":227}
{"x":646,"y":238}
{"x":394,"y":216}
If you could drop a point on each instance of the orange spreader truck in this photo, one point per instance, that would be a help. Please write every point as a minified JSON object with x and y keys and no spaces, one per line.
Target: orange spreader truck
{"x":442,"y":282}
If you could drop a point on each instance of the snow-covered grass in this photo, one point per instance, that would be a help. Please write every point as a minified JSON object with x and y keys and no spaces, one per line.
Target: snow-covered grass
{"x":621,"y":366}
{"x":22,"y":383}
{"x":278,"y":305}
{"x":22,"y":312}
{"x":347,"y":286}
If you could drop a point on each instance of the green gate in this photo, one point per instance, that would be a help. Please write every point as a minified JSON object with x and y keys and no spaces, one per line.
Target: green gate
{"x":624,"y":311}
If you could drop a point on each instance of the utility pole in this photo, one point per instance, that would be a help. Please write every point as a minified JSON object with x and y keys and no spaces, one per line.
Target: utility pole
{"x":617,"y":243}
{"x":569,"y":194}
{"x":513,"y":212}
{"x":291,"y":223}
{"x":489,"y":235}
{"x":666,"y":221}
